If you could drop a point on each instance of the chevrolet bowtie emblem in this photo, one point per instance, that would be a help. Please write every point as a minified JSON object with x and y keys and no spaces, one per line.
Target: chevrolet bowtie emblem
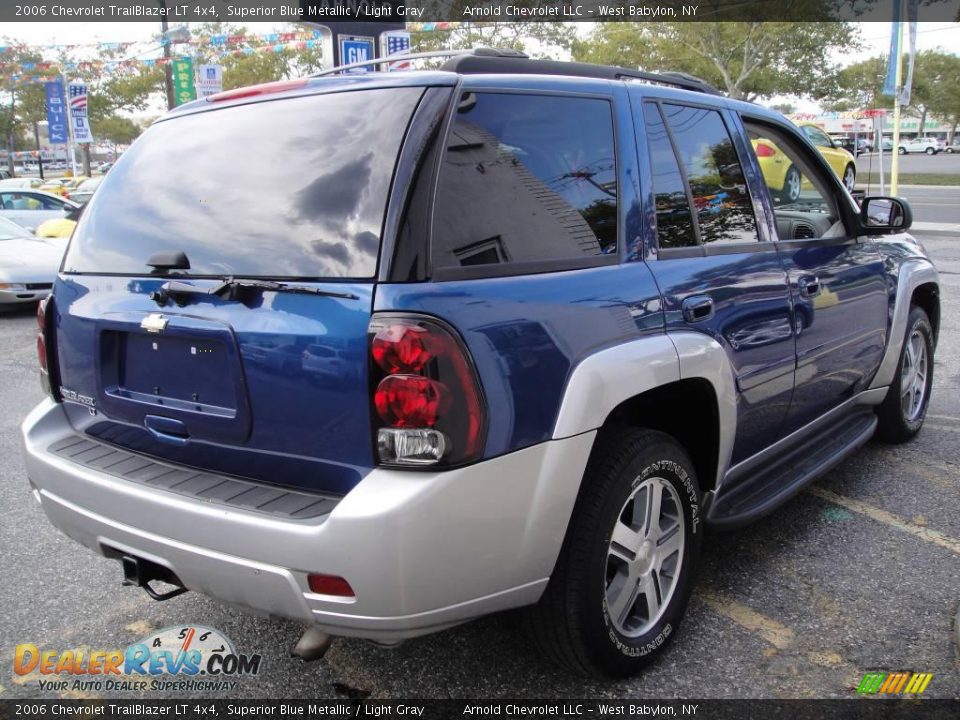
{"x":154,"y":323}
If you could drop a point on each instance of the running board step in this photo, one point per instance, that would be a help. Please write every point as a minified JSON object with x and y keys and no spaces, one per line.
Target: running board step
{"x":769,"y":486}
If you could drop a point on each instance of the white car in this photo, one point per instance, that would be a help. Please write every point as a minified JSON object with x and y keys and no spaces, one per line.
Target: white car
{"x":20,"y":182}
{"x":930,"y":146}
{"x":30,"y":208}
{"x":28,"y":265}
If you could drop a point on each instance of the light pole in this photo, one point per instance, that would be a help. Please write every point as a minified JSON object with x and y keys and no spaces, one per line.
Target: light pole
{"x":167,"y":70}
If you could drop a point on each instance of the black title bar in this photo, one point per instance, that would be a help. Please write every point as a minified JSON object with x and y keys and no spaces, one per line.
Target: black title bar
{"x":321,"y":11}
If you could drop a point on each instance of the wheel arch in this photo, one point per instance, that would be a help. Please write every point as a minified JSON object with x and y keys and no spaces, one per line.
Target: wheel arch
{"x":917,"y":283}
{"x":681,"y":383}
{"x":927,"y":297}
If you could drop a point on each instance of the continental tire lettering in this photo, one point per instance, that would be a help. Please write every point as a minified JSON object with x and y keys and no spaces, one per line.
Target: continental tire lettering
{"x":642,"y":650}
{"x":678,"y":470}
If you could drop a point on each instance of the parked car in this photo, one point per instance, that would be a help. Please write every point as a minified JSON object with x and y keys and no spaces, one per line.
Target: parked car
{"x":29,"y":208}
{"x":56,"y":186}
{"x":568,"y":346}
{"x":848,"y":143}
{"x":60,"y":227}
{"x":85,"y":189}
{"x":841,"y":161}
{"x":785,"y":179}
{"x":918,"y":145}
{"x":20,"y":182}
{"x":28,"y":265}
{"x":953,"y":147}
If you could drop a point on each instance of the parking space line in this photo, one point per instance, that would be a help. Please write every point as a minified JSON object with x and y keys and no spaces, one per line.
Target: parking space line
{"x":882,"y":516}
{"x":945,"y":417}
{"x":774,"y":633}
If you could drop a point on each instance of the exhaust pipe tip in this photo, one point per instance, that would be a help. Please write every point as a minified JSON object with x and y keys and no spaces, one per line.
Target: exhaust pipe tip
{"x":312,"y":645}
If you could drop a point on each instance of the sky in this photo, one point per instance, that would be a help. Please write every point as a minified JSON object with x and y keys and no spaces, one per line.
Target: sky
{"x":875,"y":38}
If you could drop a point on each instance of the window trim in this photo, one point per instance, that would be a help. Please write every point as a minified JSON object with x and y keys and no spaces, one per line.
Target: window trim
{"x":701,"y":249}
{"x":442,"y":273}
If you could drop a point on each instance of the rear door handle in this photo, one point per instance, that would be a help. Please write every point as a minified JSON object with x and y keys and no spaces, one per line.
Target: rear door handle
{"x":697,"y":308}
{"x":809,"y":286}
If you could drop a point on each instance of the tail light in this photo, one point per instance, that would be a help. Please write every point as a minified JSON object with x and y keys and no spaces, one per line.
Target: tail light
{"x":429,"y":410}
{"x":765,"y":150}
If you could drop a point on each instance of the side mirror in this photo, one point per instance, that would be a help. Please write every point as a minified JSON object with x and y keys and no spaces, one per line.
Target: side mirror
{"x":885,"y":215}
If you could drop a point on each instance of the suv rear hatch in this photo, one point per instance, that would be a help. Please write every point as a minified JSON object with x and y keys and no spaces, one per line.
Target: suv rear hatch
{"x":210,"y":359}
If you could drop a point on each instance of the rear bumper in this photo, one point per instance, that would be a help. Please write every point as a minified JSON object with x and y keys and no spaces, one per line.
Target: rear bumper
{"x":422,"y":551}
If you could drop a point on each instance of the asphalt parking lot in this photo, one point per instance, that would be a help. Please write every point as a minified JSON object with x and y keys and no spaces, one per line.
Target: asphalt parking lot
{"x":858,"y":573}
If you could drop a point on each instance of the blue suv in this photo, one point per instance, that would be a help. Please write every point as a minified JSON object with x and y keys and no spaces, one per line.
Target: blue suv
{"x":387,"y":352}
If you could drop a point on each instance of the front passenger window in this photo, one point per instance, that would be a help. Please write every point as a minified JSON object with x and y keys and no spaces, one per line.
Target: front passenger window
{"x":802,"y":201}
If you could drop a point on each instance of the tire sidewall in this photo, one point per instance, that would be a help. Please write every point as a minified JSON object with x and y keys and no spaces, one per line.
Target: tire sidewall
{"x":622,"y":655}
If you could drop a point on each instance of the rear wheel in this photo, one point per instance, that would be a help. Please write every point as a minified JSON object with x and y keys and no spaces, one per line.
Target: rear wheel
{"x":791,"y":185}
{"x":930,"y":151}
{"x":902,"y":412}
{"x":624,"y":575}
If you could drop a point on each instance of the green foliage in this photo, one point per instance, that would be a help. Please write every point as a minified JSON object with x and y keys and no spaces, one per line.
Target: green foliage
{"x":537,"y":39}
{"x":746,"y":60}
{"x":117,"y":130}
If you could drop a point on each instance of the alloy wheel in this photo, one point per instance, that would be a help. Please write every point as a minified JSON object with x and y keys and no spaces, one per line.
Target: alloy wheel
{"x":913,"y":377}
{"x":644,"y":556}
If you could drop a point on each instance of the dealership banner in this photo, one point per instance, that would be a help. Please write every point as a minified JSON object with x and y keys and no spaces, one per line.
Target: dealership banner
{"x":184,"y":89}
{"x":56,"y":113}
{"x":209,"y":80}
{"x":79,"y":120}
{"x":324,"y":11}
{"x":187,"y":707}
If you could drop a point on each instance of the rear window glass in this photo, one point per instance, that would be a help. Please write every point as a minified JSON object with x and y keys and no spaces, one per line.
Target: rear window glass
{"x":286,"y":188}
{"x":526,"y":179}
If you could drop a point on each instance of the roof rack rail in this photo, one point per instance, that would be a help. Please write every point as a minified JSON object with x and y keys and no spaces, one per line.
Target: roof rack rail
{"x":477,"y":52}
{"x":478,"y":63}
{"x":506,"y":61}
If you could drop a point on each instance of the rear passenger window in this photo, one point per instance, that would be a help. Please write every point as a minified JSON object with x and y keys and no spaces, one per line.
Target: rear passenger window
{"x":674,"y":222}
{"x":526,"y":179}
{"x":708,"y":160}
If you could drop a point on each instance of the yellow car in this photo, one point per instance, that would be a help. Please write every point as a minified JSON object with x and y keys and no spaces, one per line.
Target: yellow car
{"x":785,"y":180}
{"x":59,"y":227}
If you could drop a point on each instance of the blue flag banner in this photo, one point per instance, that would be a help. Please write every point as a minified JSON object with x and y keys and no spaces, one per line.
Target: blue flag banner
{"x":890,"y":83}
{"x":56,"y":113}
{"x":912,"y":11}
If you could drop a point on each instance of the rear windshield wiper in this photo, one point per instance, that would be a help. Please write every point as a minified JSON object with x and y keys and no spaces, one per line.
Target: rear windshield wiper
{"x":233,"y":289}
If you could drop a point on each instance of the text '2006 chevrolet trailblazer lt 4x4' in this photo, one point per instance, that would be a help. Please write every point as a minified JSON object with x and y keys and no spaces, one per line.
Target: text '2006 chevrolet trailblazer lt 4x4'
{"x":387,"y":352}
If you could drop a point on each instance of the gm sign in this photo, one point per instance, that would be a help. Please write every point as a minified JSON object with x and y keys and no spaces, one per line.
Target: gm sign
{"x":354,"y":49}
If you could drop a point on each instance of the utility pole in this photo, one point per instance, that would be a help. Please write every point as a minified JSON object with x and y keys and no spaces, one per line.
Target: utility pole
{"x":167,"y":69}
{"x":36,"y":142}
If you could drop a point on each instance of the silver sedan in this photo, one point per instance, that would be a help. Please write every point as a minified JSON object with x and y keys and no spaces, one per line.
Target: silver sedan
{"x":29,"y":208}
{"x":28,"y":265}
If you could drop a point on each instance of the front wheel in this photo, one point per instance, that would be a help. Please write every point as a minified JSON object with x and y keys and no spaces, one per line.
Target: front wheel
{"x":628,"y":563}
{"x":850,"y":177}
{"x":902,"y":412}
{"x":902,"y":150}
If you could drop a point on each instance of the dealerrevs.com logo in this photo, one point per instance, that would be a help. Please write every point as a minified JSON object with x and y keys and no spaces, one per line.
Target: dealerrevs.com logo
{"x":190,"y":658}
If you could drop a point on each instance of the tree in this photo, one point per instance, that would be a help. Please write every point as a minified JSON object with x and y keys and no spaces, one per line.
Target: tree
{"x":22,"y":96}
{"x":934,"y":75}
{"x":857,"y":86}
{"x":116,"y":130}
{"x":747,"y":60}
{"x":538,"y":39}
